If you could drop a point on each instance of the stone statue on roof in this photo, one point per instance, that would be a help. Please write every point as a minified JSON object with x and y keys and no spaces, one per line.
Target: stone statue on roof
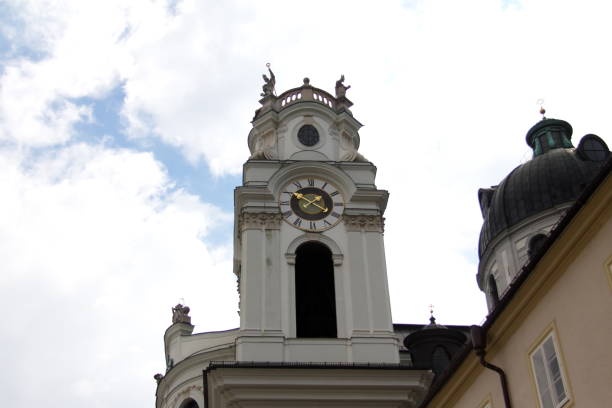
{"x":269,"y":83}
{"x":340,"y":87}
{"x":180,"y":314}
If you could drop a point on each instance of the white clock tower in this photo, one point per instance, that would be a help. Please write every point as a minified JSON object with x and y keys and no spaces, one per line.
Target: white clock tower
{"x":309,"y":248}
{"x":315,"y":316}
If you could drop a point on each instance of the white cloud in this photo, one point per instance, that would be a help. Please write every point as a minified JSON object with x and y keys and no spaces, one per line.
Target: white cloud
{"x":97,"y":245}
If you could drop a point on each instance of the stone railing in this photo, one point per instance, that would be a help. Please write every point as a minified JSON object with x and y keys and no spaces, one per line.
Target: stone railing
{"x":290,"y":97}
{"x":305,"y":93}
{"x":302,"y":94}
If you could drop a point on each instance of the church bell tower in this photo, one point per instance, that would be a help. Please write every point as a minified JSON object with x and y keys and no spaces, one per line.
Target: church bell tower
{"x":315,"y":317}
{"x":308,"y":250}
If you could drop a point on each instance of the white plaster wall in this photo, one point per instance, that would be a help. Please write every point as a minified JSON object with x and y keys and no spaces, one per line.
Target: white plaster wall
{"x":267,"y":274}
{"x":575,"y":304}
{"x":507,"y":254}
{"x":184,"y":380}
{"x":180,"y":346}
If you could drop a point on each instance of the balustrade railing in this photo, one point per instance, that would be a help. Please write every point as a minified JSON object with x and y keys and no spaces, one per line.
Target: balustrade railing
{"x":305,"y":94}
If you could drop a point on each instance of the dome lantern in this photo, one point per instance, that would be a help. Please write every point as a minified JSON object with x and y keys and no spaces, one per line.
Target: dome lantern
{"x":549,"y":134}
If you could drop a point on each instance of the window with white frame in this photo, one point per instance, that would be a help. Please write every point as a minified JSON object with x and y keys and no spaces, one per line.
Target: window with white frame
{"x":548,"y":373}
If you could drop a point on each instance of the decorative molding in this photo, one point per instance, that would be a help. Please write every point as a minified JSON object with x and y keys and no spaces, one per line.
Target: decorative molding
{"x":290,"y":259}
{"x":336,"y":258}
{"x":265,"y":146}
{"x":368,"y":223}
{"x":248,"y":220}
{"x":185,"y":393}
{"x":317,"y":237}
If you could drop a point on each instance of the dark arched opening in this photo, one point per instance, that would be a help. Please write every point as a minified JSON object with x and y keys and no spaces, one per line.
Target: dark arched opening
{"x":315,"y":298}
{"x":493,"y":291}
{"x":535,"y":243}
{"x":189,"y":403}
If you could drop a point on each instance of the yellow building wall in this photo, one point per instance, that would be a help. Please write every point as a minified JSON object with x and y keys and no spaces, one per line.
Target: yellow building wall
{"x":575,"y":300}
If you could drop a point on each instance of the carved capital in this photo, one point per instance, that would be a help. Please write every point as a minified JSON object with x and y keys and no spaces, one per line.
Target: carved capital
{"x":248,"y":220}
{"x":290,"y":259}
{"x":370,"y":223}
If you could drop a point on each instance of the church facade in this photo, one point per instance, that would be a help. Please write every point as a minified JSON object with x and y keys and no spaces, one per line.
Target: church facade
{"x":315,"y":318}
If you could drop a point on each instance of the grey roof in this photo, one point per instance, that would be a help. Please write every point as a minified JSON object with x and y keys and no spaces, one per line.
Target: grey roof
{"x":554,"y":177}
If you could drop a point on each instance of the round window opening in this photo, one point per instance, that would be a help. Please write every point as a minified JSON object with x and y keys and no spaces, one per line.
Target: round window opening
{"x":308,"y":135}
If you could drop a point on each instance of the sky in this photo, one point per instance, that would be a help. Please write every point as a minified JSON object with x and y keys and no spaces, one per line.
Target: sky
{"x":123,"y":130}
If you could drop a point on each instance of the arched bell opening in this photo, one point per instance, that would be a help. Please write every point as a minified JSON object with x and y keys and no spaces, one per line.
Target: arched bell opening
{"x":189,"y":403}
{"x":315,"y":295}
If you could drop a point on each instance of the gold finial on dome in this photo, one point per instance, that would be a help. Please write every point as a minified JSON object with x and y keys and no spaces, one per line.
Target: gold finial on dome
{"x":542,"y":110}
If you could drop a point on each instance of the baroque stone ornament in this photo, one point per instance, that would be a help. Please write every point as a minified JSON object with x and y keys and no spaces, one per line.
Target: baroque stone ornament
{"x":369,"y":223}
{"x":180,"y":314}
{"x":264,"y":147}
{"x":340,"y":87}
{"x":248,"y":220}
{"x":269,"y":83}
{"x":348,"y":144}
{"x":186,"y":392}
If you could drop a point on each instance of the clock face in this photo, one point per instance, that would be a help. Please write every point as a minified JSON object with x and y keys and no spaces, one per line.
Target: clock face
{"x":311,"y":204}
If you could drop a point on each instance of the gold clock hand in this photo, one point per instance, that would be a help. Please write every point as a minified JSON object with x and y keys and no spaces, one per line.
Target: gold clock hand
{"x":301,"y":196}
{"x":324,"y":209}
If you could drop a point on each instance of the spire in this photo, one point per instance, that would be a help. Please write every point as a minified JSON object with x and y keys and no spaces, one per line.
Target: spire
{"x":432,"y":321}
{"x":542,"y":110}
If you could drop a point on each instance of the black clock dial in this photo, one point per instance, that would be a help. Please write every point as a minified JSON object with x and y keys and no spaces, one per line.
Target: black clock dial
{"x":311,"y":203}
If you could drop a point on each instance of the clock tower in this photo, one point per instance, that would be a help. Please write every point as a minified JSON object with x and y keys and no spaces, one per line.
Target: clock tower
{"x":315,"y":317}
{"x":309,"y":251}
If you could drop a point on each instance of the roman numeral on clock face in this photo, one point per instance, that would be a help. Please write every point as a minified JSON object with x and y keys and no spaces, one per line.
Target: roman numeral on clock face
{"x":311,"y":182}
{"x":286,"y":214}
{"x":297,"y":222}
{"x":297,"y":184}
{"x":335,"y":214}
{"x":313,"y":225}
